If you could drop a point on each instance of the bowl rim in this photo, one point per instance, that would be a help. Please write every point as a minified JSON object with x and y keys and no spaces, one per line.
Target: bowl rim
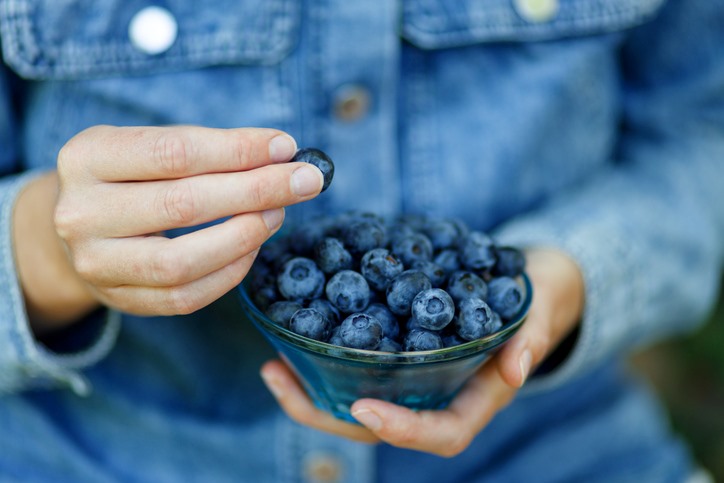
{"x":467,"y":349}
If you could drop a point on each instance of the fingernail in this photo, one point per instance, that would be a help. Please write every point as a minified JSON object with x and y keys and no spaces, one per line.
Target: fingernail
{"x":307,"y":180}
{"x":526,"y":359}
{"x":369,"y":418}
{"x":273,"y":218}
{"x":282,"y":148}
{"x":273,"y":385}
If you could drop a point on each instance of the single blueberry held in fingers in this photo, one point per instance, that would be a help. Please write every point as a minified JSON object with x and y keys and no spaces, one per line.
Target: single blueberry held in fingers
{"x":348,"y":291}
{"x":422,"y":340}
{"x":475,"y":319}
{"x":311,"y":323}
{"x":300,"y":279}
{"x":319,"y":159}
{"x":360,"y":331}
{"x":505,"y":296}
{"x":433,"y":309}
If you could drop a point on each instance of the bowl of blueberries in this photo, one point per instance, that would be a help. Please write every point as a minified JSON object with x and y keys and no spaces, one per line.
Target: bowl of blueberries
{"x":404,"y":309}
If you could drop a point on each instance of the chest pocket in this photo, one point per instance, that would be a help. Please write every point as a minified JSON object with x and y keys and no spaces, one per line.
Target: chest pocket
{"x":70,"y":39}
{"x":433,"y":24}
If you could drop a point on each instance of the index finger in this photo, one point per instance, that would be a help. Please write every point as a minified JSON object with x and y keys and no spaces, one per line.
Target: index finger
{"x":112,"y":153}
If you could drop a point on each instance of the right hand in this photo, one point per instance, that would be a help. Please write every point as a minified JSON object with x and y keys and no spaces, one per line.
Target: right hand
{"x":120,"y":188}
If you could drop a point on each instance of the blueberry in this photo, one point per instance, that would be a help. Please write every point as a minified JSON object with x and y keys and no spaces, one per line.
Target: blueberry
{"x":434,"y":272}
{"x":412,"y":247}
{"x":505,"y":296}
{"x":300,"y":279}
{"x":433,"y":309}
{"x":319,"y":159}
{"x":464,"y":285}
{"x":379,"y":267}
{"x":510,"y":262}
{"x":263,"y":287}
{"x":348,"y":291}
{"x":306,"y":236}
{"x":477,"y":251}
{"x":475,"y":319}
{"x":448,"y":259}
{"x":334,"y":337}
{"x":390,"y":326}
{"x":281,"y":312}
{"x":452,"y":339}
{"x":422,"y":340}
{"x":364,"y":235}
{"x":326,"y":308}
{"x":389,"y":345}
{"x":361,"y":331}
{"x":311,"y":323}
{"x":442,"y":233}
{"x":403,"y":289}
{"x":331,"y":256}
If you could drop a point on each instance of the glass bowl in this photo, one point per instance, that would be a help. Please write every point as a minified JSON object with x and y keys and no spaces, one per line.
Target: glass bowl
{"x":335,"y":377}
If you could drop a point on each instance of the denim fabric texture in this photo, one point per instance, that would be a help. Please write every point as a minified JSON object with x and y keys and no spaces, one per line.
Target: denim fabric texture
{"x":598,"y":130}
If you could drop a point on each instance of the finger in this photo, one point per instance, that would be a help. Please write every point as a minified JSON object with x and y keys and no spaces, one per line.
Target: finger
{"x":140,"y":208}
{"x":157,"y":261}
{"x":111,"y":153}
{"x":296,"y":403}
{"x":181,"y":299}
{"x":444,"y":433}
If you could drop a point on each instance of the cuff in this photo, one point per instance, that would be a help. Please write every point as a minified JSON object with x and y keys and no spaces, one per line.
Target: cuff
{"x":613,"y":291}
{"x":25,"y":362}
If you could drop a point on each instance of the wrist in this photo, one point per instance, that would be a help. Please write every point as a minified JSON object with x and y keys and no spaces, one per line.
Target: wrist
{"x":55,"y":297}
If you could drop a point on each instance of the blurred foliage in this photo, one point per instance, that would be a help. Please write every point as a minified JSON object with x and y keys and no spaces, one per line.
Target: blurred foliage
{"x":688,"y":373}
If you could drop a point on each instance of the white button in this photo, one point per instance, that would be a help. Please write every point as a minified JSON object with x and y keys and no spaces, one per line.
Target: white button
{"x":537,"y":10}
{"x":322,"y":467}
{"x":153,"y":30}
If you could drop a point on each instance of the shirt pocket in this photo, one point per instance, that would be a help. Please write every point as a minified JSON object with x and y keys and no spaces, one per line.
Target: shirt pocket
{"x":72,"y":39}
{"x":434,"y":24}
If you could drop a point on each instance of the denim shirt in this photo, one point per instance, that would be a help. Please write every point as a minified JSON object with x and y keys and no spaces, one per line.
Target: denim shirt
{"x":592,"y":126}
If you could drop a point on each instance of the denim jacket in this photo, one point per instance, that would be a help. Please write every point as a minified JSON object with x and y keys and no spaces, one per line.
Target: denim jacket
{"x":592,"y":126}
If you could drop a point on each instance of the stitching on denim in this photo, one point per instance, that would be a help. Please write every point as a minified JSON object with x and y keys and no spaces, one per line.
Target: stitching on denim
{"x":434,"y":28}
{"x":101,"y":57}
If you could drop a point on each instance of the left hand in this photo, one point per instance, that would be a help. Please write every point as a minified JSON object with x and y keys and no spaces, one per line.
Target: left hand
{"x":556,"y":309}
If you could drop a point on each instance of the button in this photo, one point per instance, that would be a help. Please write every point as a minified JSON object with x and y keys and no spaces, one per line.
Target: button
{"x":322,"y":467}
{"x":351,"y":102}
{"x":153,"y":30}
{"x":537,"y":11}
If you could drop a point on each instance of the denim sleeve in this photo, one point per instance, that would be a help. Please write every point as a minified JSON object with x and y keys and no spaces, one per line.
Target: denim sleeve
{"x":25,"y":362}
{"x":648,"y":231}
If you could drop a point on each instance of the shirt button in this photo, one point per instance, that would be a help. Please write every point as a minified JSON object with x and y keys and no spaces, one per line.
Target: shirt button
{"x":351,"y":102}
{"x":153,"y":30}
{"x":537,"y":11}
{"x":322,"y":468}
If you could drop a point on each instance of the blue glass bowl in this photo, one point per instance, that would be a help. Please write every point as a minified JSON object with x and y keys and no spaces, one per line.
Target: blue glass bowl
{"x":335,"y":377}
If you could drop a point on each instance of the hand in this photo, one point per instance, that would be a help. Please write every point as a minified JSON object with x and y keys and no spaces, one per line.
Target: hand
{"x":121,"y":188}
{"x":556,"y":309}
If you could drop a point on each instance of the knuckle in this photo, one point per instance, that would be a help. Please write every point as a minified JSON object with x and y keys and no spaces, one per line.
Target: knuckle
{"x":180,"y":302}
{"x":167,"y":268}
{"x":66,"y":220}
{"x":456,"y":446}
{"x":178,"y":203}
{"x":241,"y":150}
{"x":85,"y":266}
{"x":258,"y":193}
{"x":172,"y":153}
